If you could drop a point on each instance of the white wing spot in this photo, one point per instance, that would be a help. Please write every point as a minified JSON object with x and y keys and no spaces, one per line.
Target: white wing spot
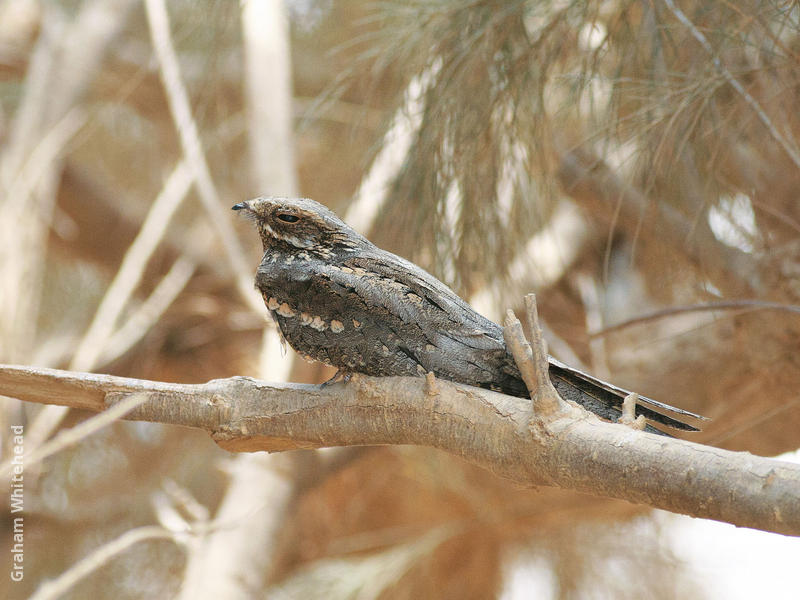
{"x":318,"y":324}
{"x":305,"y":318}
{"x":273,"y":304}
{"x":385,"y":350}
{"x":336,"y":326}
{"x":356,"y":324}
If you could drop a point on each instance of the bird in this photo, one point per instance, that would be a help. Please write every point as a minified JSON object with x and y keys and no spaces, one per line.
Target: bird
{"x":339,"y":299}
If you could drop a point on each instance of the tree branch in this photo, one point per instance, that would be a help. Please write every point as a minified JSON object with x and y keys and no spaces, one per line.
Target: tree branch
{"x":485,"y":428}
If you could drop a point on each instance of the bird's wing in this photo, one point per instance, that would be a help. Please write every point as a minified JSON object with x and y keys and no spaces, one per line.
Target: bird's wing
{"x":427,"y":320}
{"x":445,"y":307}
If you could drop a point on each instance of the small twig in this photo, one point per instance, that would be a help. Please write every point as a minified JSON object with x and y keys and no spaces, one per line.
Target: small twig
{"x":538,"y":343}
{"x":532,"y":359}
{"x":628,"y":416}
{"x":431,"y":386}
{"x":57,"y":587}
{"x":521,"y":350}
{"x":710,"y":306}
{"x":547,"y":400}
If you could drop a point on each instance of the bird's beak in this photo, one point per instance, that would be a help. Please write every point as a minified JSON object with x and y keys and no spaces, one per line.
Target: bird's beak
{"x":241,"y":206}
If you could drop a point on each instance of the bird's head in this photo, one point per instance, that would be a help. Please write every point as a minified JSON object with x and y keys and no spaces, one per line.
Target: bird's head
{"x":299,"y":224}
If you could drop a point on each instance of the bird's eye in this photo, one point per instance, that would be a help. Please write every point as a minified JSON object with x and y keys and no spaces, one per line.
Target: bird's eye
{"x":287,"y":218}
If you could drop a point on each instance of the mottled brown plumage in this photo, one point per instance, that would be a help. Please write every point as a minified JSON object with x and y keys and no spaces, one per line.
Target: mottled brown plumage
{"x":339,"y":299}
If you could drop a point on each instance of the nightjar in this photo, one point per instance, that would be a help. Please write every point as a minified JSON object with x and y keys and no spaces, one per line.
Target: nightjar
{"x":339,"y":299}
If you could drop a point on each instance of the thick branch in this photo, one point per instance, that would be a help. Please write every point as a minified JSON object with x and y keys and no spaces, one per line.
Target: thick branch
{"x":484,"y":427}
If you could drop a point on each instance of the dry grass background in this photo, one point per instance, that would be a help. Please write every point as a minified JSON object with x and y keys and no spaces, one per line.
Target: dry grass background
{"x":616,"y":157}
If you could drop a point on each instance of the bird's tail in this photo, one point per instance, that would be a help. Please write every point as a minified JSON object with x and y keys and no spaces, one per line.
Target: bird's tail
{"x":605,"y":399}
